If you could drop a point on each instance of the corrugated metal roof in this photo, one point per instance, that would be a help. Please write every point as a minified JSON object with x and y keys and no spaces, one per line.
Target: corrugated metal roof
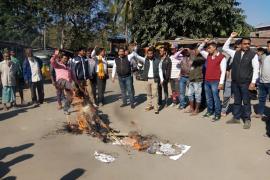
{"x":262,"y":25}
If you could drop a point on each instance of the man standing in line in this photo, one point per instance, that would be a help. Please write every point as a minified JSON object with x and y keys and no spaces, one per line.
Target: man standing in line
{"x":176,"y":58}
{"x":8,"y":73}
{"x":122,"y":66}
{"x":245,"y":71}
{"x":33,"y":77}
{"x":215,"y":73}
{"x":151,"y":75}
{"x":264,"y":81}
{"x":102,"y":73}
{"x":165,"y":67}
{"x":79,"y":69}
{"x":92,"y":82}
{"x":19,"y":80}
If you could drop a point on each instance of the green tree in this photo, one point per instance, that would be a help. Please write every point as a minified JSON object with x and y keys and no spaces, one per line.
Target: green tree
{"x":21,"y":20}
{"x":158,"y":20}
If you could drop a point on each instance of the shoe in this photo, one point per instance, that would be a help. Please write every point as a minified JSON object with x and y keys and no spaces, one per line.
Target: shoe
{"x":156,"y":112}
{"x":132,"y":106}
{"x":148,"y":108}
{"x":207,"y":114}
{"x":180,"y":107}
{"x":123,"y":105}
{"x":247,"y":124}
{"x":216,"y":118}
{"x":268,"y":152}
{"x":233,"y":121}
{"x":172,"y":105}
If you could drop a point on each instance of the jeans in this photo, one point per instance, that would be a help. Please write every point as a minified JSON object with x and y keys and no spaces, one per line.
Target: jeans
{"x":195,"y":90}
{"x":126,"y":87}
{"x":212,"y":97}
{"x":182,"y":90}
{"x":264,"y":90}
{"x":241,"y":93}
{"x":227,"y":96}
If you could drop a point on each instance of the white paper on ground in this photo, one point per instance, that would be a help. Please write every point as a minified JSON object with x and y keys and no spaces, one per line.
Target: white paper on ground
{"x":104,"y":157}
{"x":184,"y":149}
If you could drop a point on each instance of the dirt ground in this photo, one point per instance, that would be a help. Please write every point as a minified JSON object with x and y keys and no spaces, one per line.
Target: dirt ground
{"x":31,"y":148}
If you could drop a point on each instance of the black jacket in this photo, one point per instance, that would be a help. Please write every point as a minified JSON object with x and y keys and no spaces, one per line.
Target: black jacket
{"x":155,"y":69}
{"x":242,"y":69}
{"x":80,"y":70}
{"x":166,"y":68}
{"x":123,"y":66}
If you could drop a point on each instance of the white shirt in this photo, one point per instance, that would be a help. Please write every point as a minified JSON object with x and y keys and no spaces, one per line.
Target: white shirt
{"x":255,"y":60}
{"x":35,"y":71}
{"x":223,"y":63}
{"x":142,"y":59}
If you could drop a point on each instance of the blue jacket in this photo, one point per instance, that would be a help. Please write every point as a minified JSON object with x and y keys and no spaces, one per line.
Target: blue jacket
{"x":27,"y":73}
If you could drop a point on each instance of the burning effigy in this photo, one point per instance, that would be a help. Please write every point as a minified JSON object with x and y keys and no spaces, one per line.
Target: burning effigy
{"x":87,"y":120}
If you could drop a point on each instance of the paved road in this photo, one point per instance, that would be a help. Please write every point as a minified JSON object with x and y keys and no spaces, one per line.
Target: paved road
{"x":31,"y":149}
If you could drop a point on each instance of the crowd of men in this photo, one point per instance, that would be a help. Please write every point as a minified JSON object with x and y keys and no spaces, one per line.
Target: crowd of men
{"x":196,"y":77}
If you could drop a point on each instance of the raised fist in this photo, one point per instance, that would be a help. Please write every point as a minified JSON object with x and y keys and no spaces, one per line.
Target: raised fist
{"x":234,"y":34}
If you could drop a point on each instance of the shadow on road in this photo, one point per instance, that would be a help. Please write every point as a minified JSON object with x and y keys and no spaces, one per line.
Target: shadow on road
{"x":11,"y":113}
{"x":112,"y":98}
{"x":5,"y":166}
{"x":140,"y":99}
{"x":74,"y":174}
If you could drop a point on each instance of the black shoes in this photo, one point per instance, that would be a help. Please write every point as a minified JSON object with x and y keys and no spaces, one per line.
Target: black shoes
{"x":216,"y":118}
{"x":247,"y":124}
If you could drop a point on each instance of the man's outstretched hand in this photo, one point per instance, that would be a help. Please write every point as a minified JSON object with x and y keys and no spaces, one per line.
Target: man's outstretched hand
{"x":233,"y":34}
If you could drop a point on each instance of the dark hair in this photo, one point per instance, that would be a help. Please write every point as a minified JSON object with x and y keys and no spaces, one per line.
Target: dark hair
{"x":152,"y":49}
{"x":99,"y":50}
{"x":185,"y":52}
{"x":260,"y":49}
{"x":90,"y":49}
{"x":237,"y":42}
{"x":212,"y":44}
{"x":268,"y":42}
{"x":165,"y":48}
{"x":64,"y":54}
{"x":121,"y":48}
{"x":245,"y":38}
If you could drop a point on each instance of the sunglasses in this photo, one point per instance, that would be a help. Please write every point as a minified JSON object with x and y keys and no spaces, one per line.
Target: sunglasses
{"x":246,"y":43}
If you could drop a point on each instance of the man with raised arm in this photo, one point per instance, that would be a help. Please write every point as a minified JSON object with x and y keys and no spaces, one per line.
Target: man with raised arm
{"x":245,"y":71}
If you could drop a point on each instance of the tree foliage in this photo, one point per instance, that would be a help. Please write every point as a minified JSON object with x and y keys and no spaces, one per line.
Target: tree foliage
{"x":78,"y":22}
{"x":159,"y":19}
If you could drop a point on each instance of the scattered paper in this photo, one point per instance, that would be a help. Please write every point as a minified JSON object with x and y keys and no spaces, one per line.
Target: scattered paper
{"x":184,"y":149}
{"x":106,"y":158}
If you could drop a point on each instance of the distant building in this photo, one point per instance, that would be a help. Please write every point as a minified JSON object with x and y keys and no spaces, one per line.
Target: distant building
{"x":117,"y":41}
{"x":261,"y":30}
